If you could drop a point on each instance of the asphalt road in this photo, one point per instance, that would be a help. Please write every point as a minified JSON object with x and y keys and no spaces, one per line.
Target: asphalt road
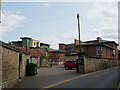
{"x":105,"y":79}
{"x":47,"y":76}
{"x":58,"y":77}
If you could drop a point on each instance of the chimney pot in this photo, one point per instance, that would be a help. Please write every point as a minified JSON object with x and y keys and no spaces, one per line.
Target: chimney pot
{"x":99,"y":39}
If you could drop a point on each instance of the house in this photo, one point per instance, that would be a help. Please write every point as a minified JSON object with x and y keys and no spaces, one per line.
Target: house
{"x":56,"y":56}
{"x":13,"y":62}
{"x":26,"y":42}
{"x":35,"y":46}
{"x":95,"y":48}
{"x":29,"y":43}
{"x":44,"y":62}
{"x":35,"y":56}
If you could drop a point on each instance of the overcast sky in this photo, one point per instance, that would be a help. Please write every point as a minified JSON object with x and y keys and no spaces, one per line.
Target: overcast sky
{"x":56,"y":22}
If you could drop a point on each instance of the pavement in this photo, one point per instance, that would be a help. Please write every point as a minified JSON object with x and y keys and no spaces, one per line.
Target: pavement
{"x":58,"y":77}
{"x":47,"y":76}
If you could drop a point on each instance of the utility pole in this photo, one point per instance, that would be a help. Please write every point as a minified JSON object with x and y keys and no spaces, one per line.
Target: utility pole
{"x":79,"y":42}
{"x":79,"y":30}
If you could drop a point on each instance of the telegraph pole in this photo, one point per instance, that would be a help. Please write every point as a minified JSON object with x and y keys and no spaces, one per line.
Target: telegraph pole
{"x":78,"y":30}
{"x":79,"y":42}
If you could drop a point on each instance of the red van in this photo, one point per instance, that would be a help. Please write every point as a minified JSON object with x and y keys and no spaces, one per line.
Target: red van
{"x":70,"y":64}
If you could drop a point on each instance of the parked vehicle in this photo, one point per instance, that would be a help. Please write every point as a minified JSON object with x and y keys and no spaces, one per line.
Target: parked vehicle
{"x":70,"y":64}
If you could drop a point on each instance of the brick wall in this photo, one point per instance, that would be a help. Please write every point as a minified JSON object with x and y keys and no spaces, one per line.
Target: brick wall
{"x":62,"y":58}
{"x":62,"y":46}
{"x":53,"y":56}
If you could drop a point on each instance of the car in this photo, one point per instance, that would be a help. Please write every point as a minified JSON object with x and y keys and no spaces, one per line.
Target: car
{"x":70,"y":64}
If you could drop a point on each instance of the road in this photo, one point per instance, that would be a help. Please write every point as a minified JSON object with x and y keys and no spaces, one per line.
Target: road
{"x":58,"y":77}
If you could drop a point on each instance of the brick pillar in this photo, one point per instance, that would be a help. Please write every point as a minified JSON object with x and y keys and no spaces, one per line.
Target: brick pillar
{"x":62,"y":46}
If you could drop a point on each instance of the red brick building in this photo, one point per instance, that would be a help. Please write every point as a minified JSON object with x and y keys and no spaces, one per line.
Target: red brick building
{"x":96,"y":48}
{"x":56,"y":56}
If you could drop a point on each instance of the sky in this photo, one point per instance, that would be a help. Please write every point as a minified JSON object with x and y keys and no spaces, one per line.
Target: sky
{"x":56,"y":22}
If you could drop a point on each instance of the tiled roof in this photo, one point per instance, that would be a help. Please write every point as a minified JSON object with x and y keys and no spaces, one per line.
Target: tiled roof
{"x":3,"y":44}
{"x":50,"y":49}
{"x":33,"y":53}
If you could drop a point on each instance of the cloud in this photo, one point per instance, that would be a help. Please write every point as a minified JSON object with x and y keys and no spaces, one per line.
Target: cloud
{"x":107,"y":13}
{"x":47,"y":4}
{"x":67,"y":37}
{"x":52,"y":40}
{"x":70,"y":34}
{"x":10,"y":20}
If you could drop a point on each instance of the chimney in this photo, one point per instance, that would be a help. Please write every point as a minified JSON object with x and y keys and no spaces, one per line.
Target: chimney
{"x":61,"y":46}
{"x":76,"y":42}
{"x":99,"y":39}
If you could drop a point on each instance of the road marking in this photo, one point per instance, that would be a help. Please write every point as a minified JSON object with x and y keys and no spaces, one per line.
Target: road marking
{"x":61,"y":82}
{"x":118,"y":88}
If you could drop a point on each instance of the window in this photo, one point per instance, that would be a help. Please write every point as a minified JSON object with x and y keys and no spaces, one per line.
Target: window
{"x":99,"y":50}
{"x":37,"y":44}
{"x":113,"y":52}
{"x":71,"y":62}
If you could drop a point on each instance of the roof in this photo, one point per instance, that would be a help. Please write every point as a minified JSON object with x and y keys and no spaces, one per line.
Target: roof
{"x":60,"y":51}
{"x":101,"y":41}
{"x":16,"y":41}
{"x":50,"y":49}
{"x":33,"y":52}
{"x":45,"y":44}
{"x":71,"y":54}
{"x":92,"y":44}
{"x":5,"y":45}
{"x":25,"y":38}
{"x":55,"y":50}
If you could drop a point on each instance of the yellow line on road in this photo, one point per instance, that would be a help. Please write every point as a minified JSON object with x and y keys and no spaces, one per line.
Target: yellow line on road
{"x":118,"y":88}
{"x":61,"y":82}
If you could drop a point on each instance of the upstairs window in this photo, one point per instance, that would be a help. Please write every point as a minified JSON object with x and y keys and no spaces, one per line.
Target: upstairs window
{"x":113,"y":52}
{"x":34,"y":44}
{"x":99,"y":50}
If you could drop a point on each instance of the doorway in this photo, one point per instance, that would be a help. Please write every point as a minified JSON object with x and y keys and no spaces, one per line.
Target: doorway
{"x":19,"y":65}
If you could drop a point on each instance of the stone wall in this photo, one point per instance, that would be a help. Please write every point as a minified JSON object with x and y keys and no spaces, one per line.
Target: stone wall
{"x":23,"y":65}
{"x":10,"y":67}
{"x":94,"y":64}
{"x":71,"y":58}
